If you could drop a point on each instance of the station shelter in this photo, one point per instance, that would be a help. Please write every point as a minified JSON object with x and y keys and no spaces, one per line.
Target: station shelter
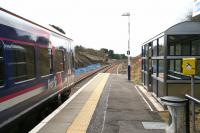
{"x":162,"y":60}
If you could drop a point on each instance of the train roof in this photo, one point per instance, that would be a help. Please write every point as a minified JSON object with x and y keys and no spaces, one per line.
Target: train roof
{"x":182,"y":28}
{"x":48,"y":28}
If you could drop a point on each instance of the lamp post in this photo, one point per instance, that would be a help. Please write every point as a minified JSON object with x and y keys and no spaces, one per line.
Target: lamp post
{"x":128,"y":52}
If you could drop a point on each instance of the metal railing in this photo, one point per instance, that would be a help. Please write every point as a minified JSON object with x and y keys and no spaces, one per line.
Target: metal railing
{"x":187,"y":113}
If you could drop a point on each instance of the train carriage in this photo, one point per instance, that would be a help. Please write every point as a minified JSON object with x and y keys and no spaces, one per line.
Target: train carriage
{"x":36,"y":64}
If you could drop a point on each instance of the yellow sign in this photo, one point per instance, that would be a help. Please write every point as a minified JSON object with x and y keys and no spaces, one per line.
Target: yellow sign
{"x":189,"y":66}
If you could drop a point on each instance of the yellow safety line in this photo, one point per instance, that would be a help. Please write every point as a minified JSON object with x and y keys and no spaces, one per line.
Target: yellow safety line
{"x":82,"y":121}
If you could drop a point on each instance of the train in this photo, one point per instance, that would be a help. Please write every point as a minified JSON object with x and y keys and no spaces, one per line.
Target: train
{"x":37,"y":64}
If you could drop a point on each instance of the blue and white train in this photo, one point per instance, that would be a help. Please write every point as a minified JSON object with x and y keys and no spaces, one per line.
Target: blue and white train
{"x":36,"y":64}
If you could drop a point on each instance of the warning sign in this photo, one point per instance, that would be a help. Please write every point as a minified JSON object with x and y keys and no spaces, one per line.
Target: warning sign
{"x":189,"y":66}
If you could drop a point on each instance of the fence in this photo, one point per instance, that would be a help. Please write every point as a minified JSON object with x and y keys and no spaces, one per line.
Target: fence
{"x":197,"y":101}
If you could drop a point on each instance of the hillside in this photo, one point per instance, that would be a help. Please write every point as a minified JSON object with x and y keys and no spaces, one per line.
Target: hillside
{"x":87,"y":56}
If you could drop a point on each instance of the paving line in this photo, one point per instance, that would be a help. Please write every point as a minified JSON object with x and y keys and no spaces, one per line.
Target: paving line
{"x":49,"y":117}
{"x":104,"y":117}
{"x":144,"y":99}
{"x":82,"y":121}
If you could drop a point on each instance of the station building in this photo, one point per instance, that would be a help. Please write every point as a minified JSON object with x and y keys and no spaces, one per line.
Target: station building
{"x":162,"y":60}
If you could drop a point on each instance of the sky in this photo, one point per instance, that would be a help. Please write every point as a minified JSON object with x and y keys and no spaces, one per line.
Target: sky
{"x":99,"y":24}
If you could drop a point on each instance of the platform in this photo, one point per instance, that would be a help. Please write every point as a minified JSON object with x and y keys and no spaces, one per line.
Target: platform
{"x":108,"y":103}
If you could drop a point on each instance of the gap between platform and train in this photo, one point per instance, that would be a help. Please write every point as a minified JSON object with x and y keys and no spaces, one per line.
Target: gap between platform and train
{"x":48,"y":118}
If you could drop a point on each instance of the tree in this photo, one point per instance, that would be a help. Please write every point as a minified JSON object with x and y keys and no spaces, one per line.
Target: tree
{"x":110,"y":53}
{"x":188,"y":17}
{"x":104,"y":50}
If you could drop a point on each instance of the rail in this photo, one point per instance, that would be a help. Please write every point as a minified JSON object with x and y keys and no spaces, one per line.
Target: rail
{"x":187,"y":113}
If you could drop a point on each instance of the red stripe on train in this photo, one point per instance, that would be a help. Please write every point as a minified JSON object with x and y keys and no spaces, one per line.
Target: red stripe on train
{"x":5,"y":98}
{"x":25,"y":43}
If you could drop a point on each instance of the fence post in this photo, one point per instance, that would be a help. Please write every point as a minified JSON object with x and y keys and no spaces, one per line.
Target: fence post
{"x":187,"y":116}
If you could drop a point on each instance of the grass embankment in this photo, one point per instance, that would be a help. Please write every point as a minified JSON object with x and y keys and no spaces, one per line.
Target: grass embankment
{"x":136,"y":69}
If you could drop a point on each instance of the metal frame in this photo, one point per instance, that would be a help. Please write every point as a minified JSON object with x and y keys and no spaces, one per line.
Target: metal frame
{"x":184,"y":28}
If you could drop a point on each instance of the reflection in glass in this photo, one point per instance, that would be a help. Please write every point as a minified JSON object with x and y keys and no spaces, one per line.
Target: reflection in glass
{"x":155,"y":48}
{"x":175,"y":70}
{"x":23,"y":62}
{"x":171,"y":65}
{"x":2,"y":66}
{"x":154,"y":65}
{"x":185,"y":48}
{"x":161,"y":68}
{"x":59,"y":65}
{"x":44,"y":61}
{"x":196,"y":47}
{"x":161,"y":46}
{"x":198,"y":68}
{"x":178,"y":65}
{"x":171,"y":49}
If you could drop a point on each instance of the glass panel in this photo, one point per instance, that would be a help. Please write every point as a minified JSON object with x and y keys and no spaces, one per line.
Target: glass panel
{"x":23,"y":62}
{"x":171,"y":49}
{"x":198,"y":69}
{"x":144,"y":62}
{"x":59,"y":65}
{"x":160,"y":68}
{"x":155,"y":48}
{"x":175,"y":70}
{"x":161,"y":46}
{"x":196,"y":47}
{"x":2,"y":66}
{"x":185,"y":44}
{"x":154,"y":65}
{"x":150,"y":49}
{"x":44,"y":61}
{"x":178,"y":49}
{"x":142,"y":51}
{"x":178,"y":65}
{"x":146,"y":50}
{"x":185,"y":48}
{"x":172,"y":74}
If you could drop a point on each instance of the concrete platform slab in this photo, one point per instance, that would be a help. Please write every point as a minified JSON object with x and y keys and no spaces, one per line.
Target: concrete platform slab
{"x":123,"y":109}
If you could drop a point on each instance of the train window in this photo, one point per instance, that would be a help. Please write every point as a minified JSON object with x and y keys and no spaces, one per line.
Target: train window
{"x":59,"y":61}
{"x":2,"y":67}
{"x":45,"y":61}
{"x":23,"y":62}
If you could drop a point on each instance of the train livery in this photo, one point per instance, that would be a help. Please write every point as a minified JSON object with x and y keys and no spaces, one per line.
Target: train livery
{"x":36,"y":64}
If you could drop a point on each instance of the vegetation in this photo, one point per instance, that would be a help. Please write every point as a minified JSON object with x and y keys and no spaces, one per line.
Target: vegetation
{"x":86,"y":56}
{"x":112,"y":55}
{"x":136,"y":69}
{"x":188,"y":17}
